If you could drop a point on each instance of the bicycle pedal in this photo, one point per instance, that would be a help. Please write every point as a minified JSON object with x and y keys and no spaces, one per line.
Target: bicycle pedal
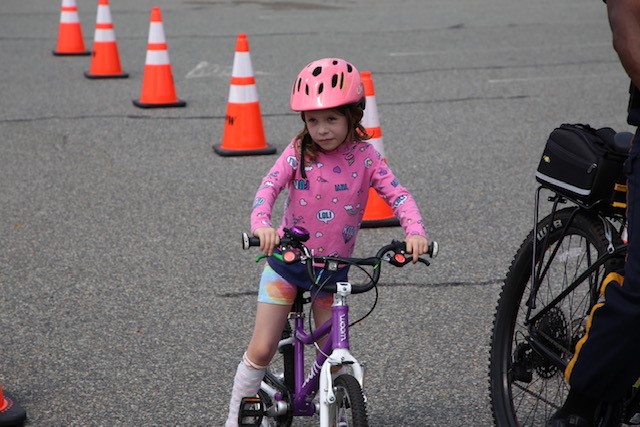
{"x":251,"y":411}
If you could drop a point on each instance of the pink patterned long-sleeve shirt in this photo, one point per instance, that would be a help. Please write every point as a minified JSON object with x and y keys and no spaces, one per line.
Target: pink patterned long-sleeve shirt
{"x":331,"y":201}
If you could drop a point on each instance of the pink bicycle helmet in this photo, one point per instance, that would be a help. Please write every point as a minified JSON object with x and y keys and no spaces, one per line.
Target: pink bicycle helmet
{"x":327,"y":83}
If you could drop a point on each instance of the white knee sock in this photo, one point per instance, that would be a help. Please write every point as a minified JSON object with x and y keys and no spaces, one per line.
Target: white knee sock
{"x":246,"y":383}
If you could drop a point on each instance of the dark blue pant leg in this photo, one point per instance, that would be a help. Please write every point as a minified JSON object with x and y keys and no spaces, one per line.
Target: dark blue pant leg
{"x":608,"y":363}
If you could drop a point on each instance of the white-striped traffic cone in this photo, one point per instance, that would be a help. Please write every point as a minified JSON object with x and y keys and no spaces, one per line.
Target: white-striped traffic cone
{"x":243,"y":132}
{"x":70,"y":40}
{"x":158,"y":89}
{"x":377,"y":213}
{"x":105,"y":60}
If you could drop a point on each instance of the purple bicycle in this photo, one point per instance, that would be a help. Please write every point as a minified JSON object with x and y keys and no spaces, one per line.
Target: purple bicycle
{"x":286,"y":392}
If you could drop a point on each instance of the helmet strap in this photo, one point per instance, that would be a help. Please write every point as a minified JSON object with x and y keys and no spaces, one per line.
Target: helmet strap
{"x":303,"y":143}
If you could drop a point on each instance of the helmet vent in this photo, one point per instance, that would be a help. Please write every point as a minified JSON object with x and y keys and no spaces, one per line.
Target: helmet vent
{"x":326,"y":83}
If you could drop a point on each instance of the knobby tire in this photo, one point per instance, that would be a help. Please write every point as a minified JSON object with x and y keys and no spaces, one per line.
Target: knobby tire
{"x":525,"y":388}
{"x":350,"y":405}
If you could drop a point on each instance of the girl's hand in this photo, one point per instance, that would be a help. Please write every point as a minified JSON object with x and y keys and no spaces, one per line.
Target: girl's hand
{"x":269,"y":239}
{"x":416,"y":245}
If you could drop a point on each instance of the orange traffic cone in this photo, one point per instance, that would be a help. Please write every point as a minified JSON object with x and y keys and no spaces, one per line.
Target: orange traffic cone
{"x":70,"y":41}
{"x":243,"y":131}
{"x":105,"y":61}
{"x":377,"y":213}
{"x":158,"y":90}
{"x":11,"y":414}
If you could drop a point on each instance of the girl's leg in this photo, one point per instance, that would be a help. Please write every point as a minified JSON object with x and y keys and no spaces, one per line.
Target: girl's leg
{"x":267,"y":331}
{"x":269,"y":322}
{"x":321,"y":314}
{"x":322,"y":303}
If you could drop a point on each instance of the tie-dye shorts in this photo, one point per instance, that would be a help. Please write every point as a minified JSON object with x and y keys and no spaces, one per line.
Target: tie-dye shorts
{"x":275,"y":290}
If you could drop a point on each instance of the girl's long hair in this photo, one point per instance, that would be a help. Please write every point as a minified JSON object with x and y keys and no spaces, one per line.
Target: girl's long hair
{"x":357,"y":132}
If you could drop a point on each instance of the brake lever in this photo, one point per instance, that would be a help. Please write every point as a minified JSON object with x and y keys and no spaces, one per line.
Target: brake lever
{"x":288,"y":256}
{"x":400,"y":259}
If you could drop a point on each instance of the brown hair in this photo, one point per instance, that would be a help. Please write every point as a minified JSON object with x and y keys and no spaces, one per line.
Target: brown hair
{"x":357,"y":132}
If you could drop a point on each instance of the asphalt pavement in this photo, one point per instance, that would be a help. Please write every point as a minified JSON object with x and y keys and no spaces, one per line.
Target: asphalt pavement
{"x":125,"y":297}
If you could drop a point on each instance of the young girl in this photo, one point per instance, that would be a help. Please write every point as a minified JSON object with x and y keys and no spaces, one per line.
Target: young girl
{"x":327,"y":170}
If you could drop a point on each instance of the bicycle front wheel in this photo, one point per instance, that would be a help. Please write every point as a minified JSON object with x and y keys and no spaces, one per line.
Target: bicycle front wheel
{"x":349,"y":409}
{"x":526,"y":387}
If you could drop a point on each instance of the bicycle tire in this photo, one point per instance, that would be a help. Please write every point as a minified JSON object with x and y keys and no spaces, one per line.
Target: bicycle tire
{"x":349,"y":408}
{"x":280,"y":376}
{"x":525,"y":388}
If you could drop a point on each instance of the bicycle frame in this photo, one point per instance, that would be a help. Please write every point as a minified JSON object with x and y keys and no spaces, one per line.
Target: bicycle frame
{"x":295,"y":398}
{"x":335,"y":351}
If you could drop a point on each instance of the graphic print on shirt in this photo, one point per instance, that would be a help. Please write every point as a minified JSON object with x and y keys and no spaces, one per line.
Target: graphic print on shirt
{"x":293,"y":162}
{"x":258,"y":202}
{"x":348,"y":233}
{"x":266,"y":221}
{"x":268,"y":184}
{"x":325,"y":215}
{"x":399,"y":201}
{"x":300,"y":184}
{"x":351,"y":210}
{"x":350,"y":158}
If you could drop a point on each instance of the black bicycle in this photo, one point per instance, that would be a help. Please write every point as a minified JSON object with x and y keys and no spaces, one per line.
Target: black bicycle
{"x":547,"y":295}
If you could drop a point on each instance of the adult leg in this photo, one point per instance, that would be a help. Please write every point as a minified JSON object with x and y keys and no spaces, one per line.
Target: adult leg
{"x":606,"y":363}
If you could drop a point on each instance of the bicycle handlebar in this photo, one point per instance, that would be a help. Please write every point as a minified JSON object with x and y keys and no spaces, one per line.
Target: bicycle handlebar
{"x":398,"y":259}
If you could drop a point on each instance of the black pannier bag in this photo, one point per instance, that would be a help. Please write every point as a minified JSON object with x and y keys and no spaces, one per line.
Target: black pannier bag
{"x":583,"y":163}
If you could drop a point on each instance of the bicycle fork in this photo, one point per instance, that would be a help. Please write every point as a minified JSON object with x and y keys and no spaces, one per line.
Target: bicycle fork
{"x":337,"y":344}
{"x":339,"y":356}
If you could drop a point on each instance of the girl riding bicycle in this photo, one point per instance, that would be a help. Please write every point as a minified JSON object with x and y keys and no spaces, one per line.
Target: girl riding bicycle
{"x":327,"y":169}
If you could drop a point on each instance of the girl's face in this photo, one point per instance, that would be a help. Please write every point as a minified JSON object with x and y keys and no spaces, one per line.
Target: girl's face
{"x":327,"y":128}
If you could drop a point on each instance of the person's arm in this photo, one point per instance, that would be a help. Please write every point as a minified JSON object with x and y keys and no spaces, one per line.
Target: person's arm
{"x":404,"y":207}
{"x":624,"y":19}
{"x":272,"y":184}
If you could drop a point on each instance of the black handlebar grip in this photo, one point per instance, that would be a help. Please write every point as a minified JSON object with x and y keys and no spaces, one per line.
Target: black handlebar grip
{"x":249,"y":241}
